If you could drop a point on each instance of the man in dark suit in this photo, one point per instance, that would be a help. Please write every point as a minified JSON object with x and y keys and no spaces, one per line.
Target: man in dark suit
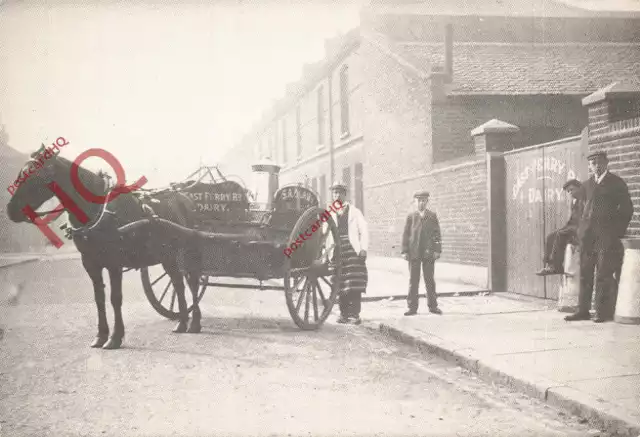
{"x":421,"y":247}
{"x":557,"y":240}
{"x":607,"y":213}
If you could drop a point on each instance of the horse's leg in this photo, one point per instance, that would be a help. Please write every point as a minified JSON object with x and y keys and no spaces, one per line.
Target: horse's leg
{"x":115,"y":279}
{"x":95,"y":273}
{"x":194,"y":281}
{"x":178,"y":284}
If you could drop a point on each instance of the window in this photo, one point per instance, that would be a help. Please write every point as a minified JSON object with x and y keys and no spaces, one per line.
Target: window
{"x":344,"y":100}
{"x":323,"y":189}
{"x":298,"y":133}
{"x":346,"y":179}
{"x":283,"y":134}
{"x":359,"y":187}
{"x":321,"y":115}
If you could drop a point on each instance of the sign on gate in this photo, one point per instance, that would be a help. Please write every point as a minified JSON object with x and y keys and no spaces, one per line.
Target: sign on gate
{"x":527,"y":188}
{"x":536,"y":204}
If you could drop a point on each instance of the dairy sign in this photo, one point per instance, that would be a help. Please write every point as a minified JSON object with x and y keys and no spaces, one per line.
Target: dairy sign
{"x":541,"y":180}
{"x":217,"y":200}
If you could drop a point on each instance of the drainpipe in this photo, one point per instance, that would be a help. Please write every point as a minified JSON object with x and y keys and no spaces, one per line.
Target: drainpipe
{"x":330,"y":128}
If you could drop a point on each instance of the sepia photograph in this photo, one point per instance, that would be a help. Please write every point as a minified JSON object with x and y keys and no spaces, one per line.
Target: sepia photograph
{"x":319,"y":218}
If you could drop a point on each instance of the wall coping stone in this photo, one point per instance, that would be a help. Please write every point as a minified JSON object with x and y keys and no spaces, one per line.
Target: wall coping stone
{"x":494,"y":126}
{"x":613,"y":90}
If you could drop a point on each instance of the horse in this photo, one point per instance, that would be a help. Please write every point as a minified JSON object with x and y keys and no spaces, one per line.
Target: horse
{"x":103,"y":245}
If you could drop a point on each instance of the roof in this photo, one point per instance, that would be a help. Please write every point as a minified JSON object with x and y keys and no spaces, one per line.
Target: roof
{"x":503,"y":8}
{"x":512,"y":69}
{"x":343,"y":45}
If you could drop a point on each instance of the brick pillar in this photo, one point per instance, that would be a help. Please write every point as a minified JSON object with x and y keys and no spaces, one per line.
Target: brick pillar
{"x":614,"y":127}
{"x":492,"y":139}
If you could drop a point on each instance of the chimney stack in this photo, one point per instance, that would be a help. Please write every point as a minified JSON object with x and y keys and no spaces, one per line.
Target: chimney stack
{"x":448,"y":52}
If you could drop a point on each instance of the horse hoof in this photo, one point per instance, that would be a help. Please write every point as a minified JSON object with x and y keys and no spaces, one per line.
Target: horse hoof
{"x":99,"y":342}
{"x":113,"y":343}
{"x":180,"y":328}
{"x":194,"y":328}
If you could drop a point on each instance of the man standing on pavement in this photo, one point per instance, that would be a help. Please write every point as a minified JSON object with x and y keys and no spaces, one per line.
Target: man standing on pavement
{"x":421,"y":247}
{"x":607,"y":213}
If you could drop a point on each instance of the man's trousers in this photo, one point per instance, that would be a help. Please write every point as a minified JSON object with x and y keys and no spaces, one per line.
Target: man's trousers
{"x":555,"y":247}
{"x":428,"y":267}
{"x":606,"y":261}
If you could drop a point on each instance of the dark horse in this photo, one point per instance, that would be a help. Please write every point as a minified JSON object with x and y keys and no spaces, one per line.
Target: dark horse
{"x":102,"y":245}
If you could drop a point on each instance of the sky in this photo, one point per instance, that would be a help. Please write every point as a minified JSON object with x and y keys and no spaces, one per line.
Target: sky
{"x":164,"y":87}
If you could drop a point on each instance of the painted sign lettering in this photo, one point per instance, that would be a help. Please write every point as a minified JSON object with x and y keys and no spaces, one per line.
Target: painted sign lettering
{"x":223,"y":197}
{"x":295,"y":198}
{"x":548,"y":169}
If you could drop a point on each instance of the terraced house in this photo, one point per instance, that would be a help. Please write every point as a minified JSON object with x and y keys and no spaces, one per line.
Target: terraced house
{"x":421,"y":95}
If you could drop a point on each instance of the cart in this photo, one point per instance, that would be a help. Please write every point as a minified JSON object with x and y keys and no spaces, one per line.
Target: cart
{"x":239,"y":239}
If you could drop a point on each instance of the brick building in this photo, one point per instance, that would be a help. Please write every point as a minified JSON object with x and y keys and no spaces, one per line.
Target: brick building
{"x":391,"y":108}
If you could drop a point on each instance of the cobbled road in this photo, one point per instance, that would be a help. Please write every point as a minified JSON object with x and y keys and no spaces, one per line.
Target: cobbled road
{"x":250,"y":372}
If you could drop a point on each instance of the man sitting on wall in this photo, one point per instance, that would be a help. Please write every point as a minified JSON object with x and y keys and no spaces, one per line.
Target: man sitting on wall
{"x":557,"y":241}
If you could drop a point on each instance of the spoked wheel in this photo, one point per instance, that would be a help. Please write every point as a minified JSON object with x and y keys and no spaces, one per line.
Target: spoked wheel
{"x":162,"y":294}
{"x":312,"y":272}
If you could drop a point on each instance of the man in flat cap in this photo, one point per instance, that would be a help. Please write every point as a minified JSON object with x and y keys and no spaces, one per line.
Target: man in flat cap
{"x":607,"y":213}
{"x":421,"y":247}
{"x":354,"y":240}
{"x":557,"y":241}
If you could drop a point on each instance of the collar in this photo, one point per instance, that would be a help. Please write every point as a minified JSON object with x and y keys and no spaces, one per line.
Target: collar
{"x":599,"y":179}
{"x":422,"y":213}
{"x":345,"y":206}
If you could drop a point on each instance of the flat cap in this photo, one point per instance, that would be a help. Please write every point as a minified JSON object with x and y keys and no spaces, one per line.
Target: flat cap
{"x":338,"y":186}
{"x":421,"y":194}
{"x":570,"y":182}
{"x":594,"y":155}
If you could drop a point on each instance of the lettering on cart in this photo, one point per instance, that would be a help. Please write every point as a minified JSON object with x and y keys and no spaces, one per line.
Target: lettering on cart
{"x":208,"y":202}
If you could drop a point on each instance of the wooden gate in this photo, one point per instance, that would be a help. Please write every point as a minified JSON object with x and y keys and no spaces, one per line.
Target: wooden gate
{"x":537,"y":205}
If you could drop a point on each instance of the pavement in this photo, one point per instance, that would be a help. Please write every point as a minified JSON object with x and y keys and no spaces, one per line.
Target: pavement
{"x":589,"y":370}
{"x":51,"y":253}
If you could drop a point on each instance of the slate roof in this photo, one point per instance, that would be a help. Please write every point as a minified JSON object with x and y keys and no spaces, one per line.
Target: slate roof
{"x":501,"y":8}
{"x":500,"y":69}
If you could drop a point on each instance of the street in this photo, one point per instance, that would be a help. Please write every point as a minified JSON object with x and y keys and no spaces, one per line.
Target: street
{"x":250,"y":372}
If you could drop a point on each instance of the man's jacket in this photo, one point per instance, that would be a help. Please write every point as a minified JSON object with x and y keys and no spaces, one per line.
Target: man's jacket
{"x":413,"y":230}
{"x":574,"y":221}
{"x":607,"y":210}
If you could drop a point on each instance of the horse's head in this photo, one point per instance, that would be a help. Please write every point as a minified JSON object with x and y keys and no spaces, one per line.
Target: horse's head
{"x":30,"y":187}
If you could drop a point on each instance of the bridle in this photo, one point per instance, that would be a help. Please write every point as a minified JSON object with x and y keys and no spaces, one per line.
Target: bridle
{"x":107,"y":188}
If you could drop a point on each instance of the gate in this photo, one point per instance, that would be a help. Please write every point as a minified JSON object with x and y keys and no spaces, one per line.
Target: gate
{"x":537,"y":205}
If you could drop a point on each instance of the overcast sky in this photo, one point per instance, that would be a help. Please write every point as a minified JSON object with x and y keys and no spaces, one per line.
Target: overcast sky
{"x":160,"y":87}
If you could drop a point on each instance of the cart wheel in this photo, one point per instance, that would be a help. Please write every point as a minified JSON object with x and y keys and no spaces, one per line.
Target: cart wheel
{"x":162,"y":295}
{"x":311,"y":283}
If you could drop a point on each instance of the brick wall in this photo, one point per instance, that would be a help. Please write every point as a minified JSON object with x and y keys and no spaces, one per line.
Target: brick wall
{"x":397,"y":162}
{"x":397,"y":129}
{"x":459,"y":196}
{"x":541,"y":119}
{"x":621,"y":141}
